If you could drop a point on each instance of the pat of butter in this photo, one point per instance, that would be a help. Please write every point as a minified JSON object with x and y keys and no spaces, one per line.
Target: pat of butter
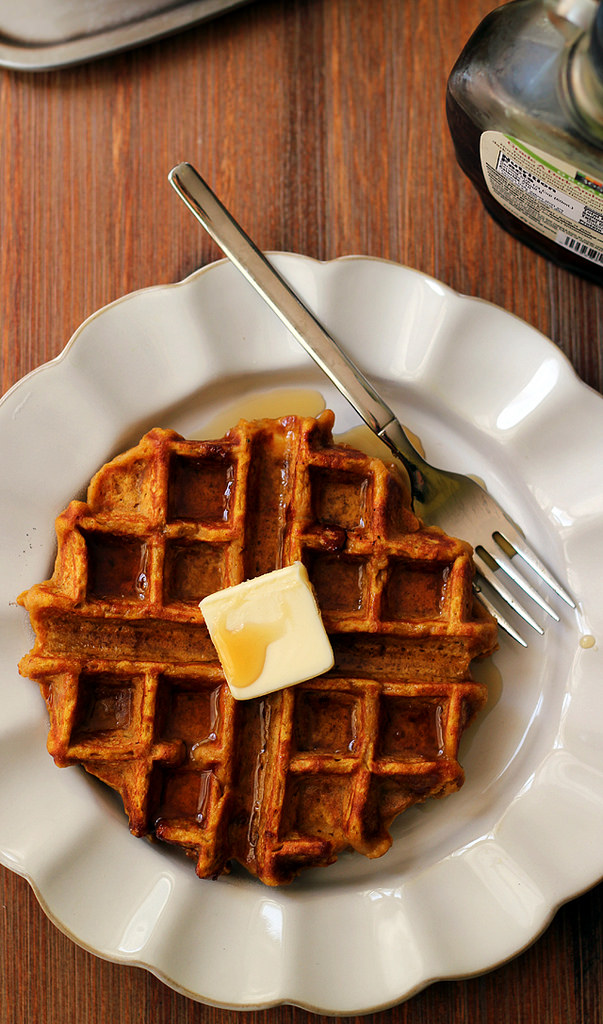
{"x":268,"y":632}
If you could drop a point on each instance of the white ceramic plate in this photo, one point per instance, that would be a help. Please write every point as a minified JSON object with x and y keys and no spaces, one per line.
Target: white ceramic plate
{"x":469,"y":880}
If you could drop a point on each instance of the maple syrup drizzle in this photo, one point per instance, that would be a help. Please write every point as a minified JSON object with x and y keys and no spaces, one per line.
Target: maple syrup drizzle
{"x":243,"y":650}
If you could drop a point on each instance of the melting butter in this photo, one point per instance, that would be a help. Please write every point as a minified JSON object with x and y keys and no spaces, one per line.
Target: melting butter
{"x":243,"y":649}
{"x":268,"y":632}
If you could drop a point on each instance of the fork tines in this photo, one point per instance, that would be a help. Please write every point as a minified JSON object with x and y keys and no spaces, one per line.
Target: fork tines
{"x":488,"y":564}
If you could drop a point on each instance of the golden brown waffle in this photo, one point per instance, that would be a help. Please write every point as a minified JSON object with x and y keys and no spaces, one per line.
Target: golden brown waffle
{"x":132,"y":682}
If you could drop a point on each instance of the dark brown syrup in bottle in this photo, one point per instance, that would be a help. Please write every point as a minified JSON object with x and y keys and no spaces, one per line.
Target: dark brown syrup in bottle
{"x":516,"y":76}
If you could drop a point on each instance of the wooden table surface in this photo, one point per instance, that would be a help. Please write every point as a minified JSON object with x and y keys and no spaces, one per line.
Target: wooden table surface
{"x":321,"y":124}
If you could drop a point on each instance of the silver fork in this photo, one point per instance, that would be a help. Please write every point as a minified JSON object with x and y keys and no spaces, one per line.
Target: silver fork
{"x":456,"y":503}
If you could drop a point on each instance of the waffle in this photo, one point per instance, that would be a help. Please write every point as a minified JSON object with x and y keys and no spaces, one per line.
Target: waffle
{"x":135,"y":692}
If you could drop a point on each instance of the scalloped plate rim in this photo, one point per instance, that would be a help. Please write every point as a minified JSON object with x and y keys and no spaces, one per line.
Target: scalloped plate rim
{"x":155,"y":969}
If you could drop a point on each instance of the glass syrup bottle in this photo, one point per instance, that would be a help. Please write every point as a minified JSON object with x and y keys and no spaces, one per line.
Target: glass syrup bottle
{"x":524,"y":103}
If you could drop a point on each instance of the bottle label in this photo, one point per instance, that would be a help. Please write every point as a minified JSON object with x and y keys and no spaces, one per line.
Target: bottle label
{"x":556,"y":199}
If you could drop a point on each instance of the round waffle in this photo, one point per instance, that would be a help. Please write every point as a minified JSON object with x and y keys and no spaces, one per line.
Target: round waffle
{"x":134,"y":688}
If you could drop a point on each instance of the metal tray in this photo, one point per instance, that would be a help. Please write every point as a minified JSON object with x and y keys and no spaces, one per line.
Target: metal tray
{"x":36,"y":35}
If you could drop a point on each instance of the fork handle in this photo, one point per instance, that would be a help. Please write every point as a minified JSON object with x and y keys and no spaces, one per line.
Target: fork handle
{"x":303,"y":325}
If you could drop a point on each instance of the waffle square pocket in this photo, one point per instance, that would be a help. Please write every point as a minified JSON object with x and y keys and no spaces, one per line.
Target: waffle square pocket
{"x":135,"y":690}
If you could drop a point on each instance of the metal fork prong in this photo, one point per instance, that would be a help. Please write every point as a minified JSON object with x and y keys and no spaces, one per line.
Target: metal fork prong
{"x":505,"y":564}
{"x":515,"y":540}
{"x":500,"y":619}
{"x":487,"y":574}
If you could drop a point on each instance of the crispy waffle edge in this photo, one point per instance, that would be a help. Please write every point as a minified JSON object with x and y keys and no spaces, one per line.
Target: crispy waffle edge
{"x":135,"y":692}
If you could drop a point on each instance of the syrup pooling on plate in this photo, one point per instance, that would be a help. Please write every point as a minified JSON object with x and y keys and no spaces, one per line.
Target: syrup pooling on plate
{"x":271,"y":404}
{"x":305,"y":402}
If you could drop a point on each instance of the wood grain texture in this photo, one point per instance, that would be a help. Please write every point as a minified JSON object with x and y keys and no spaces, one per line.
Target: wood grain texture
{"x":321,"y":124}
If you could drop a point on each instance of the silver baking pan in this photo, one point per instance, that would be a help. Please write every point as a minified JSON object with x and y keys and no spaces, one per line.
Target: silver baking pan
{"x":36,"y":35}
